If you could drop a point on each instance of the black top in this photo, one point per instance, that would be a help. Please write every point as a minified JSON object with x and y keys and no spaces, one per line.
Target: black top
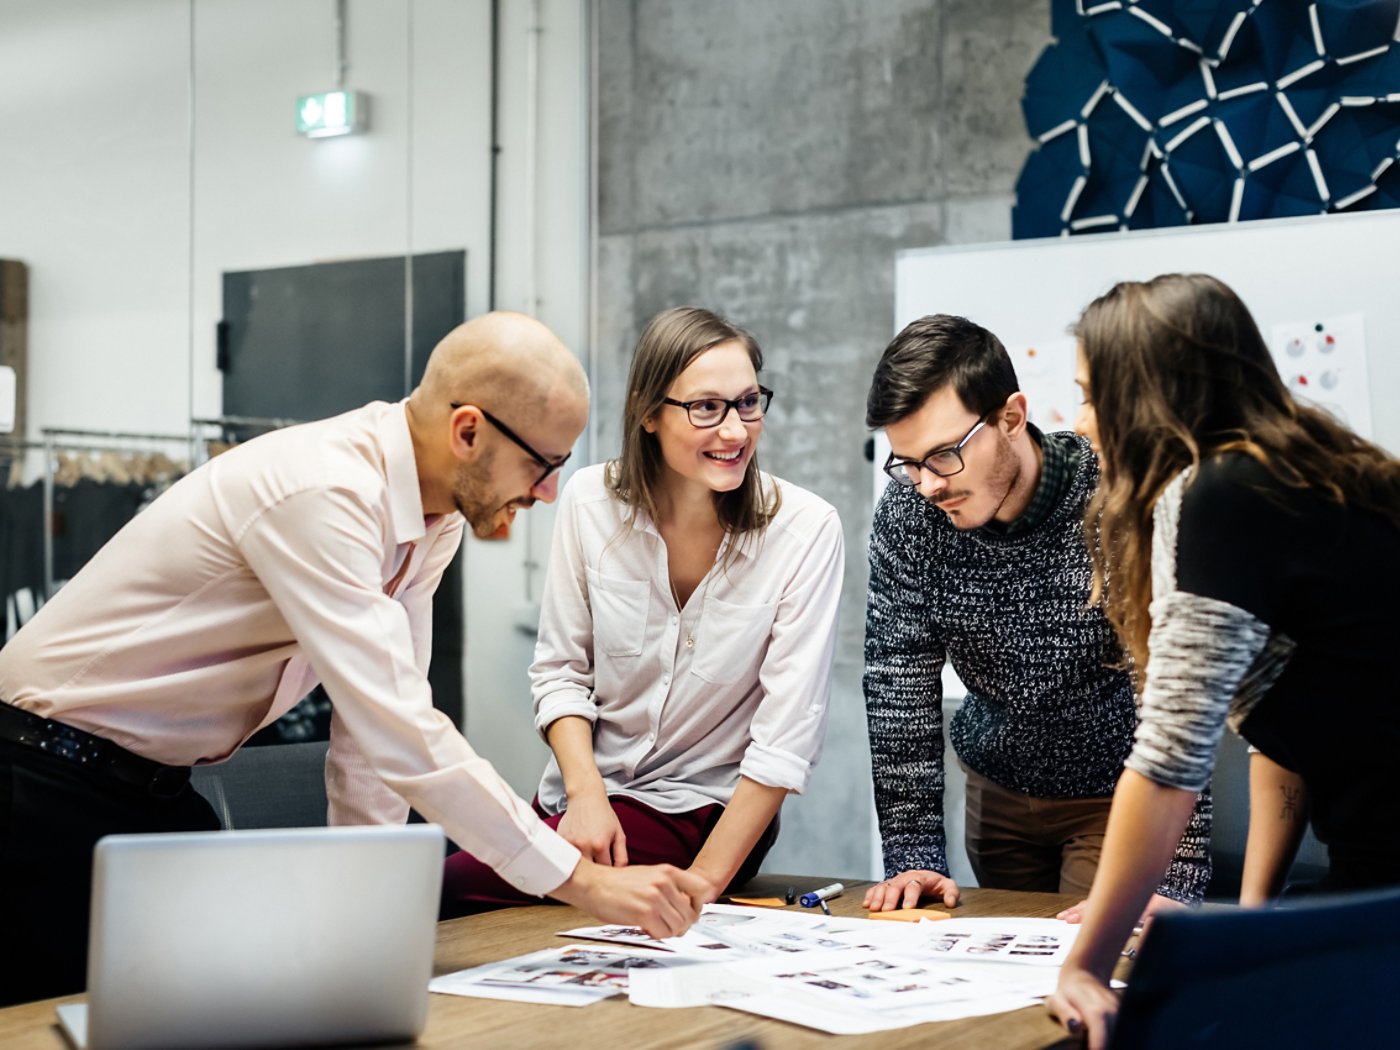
{"x":1298,"y":594}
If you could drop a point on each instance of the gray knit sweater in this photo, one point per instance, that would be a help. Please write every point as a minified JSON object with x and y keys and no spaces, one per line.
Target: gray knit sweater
{"x":1045,"y":715}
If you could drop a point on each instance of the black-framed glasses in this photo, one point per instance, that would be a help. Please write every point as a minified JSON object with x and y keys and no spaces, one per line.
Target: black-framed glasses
{"x":550,"y":466}
{"x":706,"y":412}
{"x":945,"y":462}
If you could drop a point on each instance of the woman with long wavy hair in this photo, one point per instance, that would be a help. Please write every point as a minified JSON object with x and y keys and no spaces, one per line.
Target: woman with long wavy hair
{"x":687,"y":628}
{"x":1247,"y":549}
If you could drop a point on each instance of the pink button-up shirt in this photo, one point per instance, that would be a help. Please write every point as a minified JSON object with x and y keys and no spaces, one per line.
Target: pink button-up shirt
{"x":300,"y":557}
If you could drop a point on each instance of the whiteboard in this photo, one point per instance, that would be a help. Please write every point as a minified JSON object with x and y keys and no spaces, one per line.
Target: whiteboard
{"x":1338,"y":271}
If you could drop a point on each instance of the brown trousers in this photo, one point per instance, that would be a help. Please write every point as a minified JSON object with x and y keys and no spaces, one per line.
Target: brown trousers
{"x":1018,"y":842}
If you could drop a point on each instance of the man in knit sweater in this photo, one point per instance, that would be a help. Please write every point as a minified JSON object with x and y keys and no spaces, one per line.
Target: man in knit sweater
{"x":977,"y":557}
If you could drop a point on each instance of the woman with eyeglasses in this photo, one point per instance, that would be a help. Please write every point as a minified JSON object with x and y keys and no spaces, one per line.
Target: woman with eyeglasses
{"x":687,"y":628}
{"x":1247,"y":549}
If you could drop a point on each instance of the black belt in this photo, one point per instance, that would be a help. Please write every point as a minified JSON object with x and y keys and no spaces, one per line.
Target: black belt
{"x":95,"y":753}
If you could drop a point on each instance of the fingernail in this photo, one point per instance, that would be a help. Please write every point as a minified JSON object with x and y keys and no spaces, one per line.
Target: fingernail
{"x":1073,"y":1025}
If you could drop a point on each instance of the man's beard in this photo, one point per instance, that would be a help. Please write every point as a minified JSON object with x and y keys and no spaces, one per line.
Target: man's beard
{"x":479,"y":503}
{"x":1002,"y":477}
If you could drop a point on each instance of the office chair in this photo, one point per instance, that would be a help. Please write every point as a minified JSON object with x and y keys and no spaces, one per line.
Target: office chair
{"x":1324,"y":972}
{"x":278,"y":786}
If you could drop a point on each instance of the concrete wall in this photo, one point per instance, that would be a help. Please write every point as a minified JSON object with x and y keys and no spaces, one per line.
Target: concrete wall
{"x":767,"y":160}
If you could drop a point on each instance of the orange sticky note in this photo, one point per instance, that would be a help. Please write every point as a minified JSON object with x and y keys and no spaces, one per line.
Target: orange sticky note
{"x":910,"y":914}
{"x":760,"y":902}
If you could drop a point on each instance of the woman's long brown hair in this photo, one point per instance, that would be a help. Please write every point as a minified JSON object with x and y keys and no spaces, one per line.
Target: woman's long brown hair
{"x":1178,"y":372}
{"x":671,"y":341}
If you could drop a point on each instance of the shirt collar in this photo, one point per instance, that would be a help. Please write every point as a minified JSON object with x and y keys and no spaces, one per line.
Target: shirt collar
{"x":1058,"y":464}
{"x":743,"y":545}
{"x":401,"y":472}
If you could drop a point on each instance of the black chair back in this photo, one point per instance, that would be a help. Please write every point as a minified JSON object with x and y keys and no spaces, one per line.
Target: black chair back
{"x":1322,"y":973}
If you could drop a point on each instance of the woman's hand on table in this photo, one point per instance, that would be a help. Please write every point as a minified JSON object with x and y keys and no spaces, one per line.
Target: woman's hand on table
{"x":1085,"y":1005}
{"x":714,"y":883}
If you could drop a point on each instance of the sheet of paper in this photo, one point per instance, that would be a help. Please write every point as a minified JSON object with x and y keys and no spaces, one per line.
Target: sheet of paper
{"x":694,"y":943}
{"x":1033,"y":942}
{"x":575,"y":975}
{"x":725,"y":928}
{"x":832,"y":973}
{"x":847,"y":992}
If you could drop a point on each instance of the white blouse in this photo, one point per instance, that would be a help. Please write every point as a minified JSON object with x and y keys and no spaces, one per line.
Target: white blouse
{"x":676,"y":725}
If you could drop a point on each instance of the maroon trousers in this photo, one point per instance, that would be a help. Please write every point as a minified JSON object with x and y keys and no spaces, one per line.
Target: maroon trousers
{"x":653,"y":837}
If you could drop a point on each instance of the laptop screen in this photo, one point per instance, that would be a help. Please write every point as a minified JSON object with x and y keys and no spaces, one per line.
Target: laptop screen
{"x":262,"y":938}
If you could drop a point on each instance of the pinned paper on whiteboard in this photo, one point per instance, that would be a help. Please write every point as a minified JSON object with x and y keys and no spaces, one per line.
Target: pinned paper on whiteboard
{"x":1046,"y":374}
{"x":1323,"y":362}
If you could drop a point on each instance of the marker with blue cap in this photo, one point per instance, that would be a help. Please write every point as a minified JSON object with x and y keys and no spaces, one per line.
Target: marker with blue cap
{"x":821,"y":896}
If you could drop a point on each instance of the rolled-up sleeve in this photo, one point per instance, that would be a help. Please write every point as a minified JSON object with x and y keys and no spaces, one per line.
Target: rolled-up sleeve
{"x":318,"y":554}
{"x":795,"y":676}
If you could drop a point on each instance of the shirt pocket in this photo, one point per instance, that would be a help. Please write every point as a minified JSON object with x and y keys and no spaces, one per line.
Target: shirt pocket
{"x":731,"y":640}
{"x":619,"y":613}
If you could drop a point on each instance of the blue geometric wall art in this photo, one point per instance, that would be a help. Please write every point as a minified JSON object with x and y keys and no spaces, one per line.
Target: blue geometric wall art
{"x":1152,"y":113}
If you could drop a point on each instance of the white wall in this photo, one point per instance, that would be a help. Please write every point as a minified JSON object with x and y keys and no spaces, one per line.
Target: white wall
{"x":128,"y":213}
{"x":94,"y":192}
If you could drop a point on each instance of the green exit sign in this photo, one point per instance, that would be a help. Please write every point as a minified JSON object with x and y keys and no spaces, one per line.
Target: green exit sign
{"x":332,"y":113}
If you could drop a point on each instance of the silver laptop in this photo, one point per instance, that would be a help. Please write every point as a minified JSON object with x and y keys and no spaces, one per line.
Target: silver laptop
{"x":260,"y":938}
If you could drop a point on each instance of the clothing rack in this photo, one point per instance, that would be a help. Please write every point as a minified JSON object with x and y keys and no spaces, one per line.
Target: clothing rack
{"x":270,"y":423}
{"x":234,"y":429}
{"x":57,"y":440}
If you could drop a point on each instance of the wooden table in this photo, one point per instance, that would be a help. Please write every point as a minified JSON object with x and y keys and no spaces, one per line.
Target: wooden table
{"x":615,"y":1024}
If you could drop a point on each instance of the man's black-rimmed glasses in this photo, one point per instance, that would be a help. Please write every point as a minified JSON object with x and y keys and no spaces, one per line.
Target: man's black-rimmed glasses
{"x":706,"y":412}
{"x":550,"y":466}
{"x":945,"y":462}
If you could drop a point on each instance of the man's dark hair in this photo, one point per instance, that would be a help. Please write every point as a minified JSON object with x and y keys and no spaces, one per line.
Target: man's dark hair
{"x":931,"y":353}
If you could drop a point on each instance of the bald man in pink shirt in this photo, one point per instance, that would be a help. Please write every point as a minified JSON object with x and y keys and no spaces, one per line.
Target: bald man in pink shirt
{"x":309,"y":555}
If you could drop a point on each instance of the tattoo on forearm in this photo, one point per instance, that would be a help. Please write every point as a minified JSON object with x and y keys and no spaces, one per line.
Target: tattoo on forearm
{"x":1292,"y":796}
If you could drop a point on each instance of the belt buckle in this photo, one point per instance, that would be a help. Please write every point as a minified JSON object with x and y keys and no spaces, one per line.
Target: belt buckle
{"x":65,"y":743}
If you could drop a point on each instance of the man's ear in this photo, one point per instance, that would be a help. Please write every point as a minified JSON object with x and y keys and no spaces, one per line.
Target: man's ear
{"x":465,"y":426}
{"x":1015,"y":414}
